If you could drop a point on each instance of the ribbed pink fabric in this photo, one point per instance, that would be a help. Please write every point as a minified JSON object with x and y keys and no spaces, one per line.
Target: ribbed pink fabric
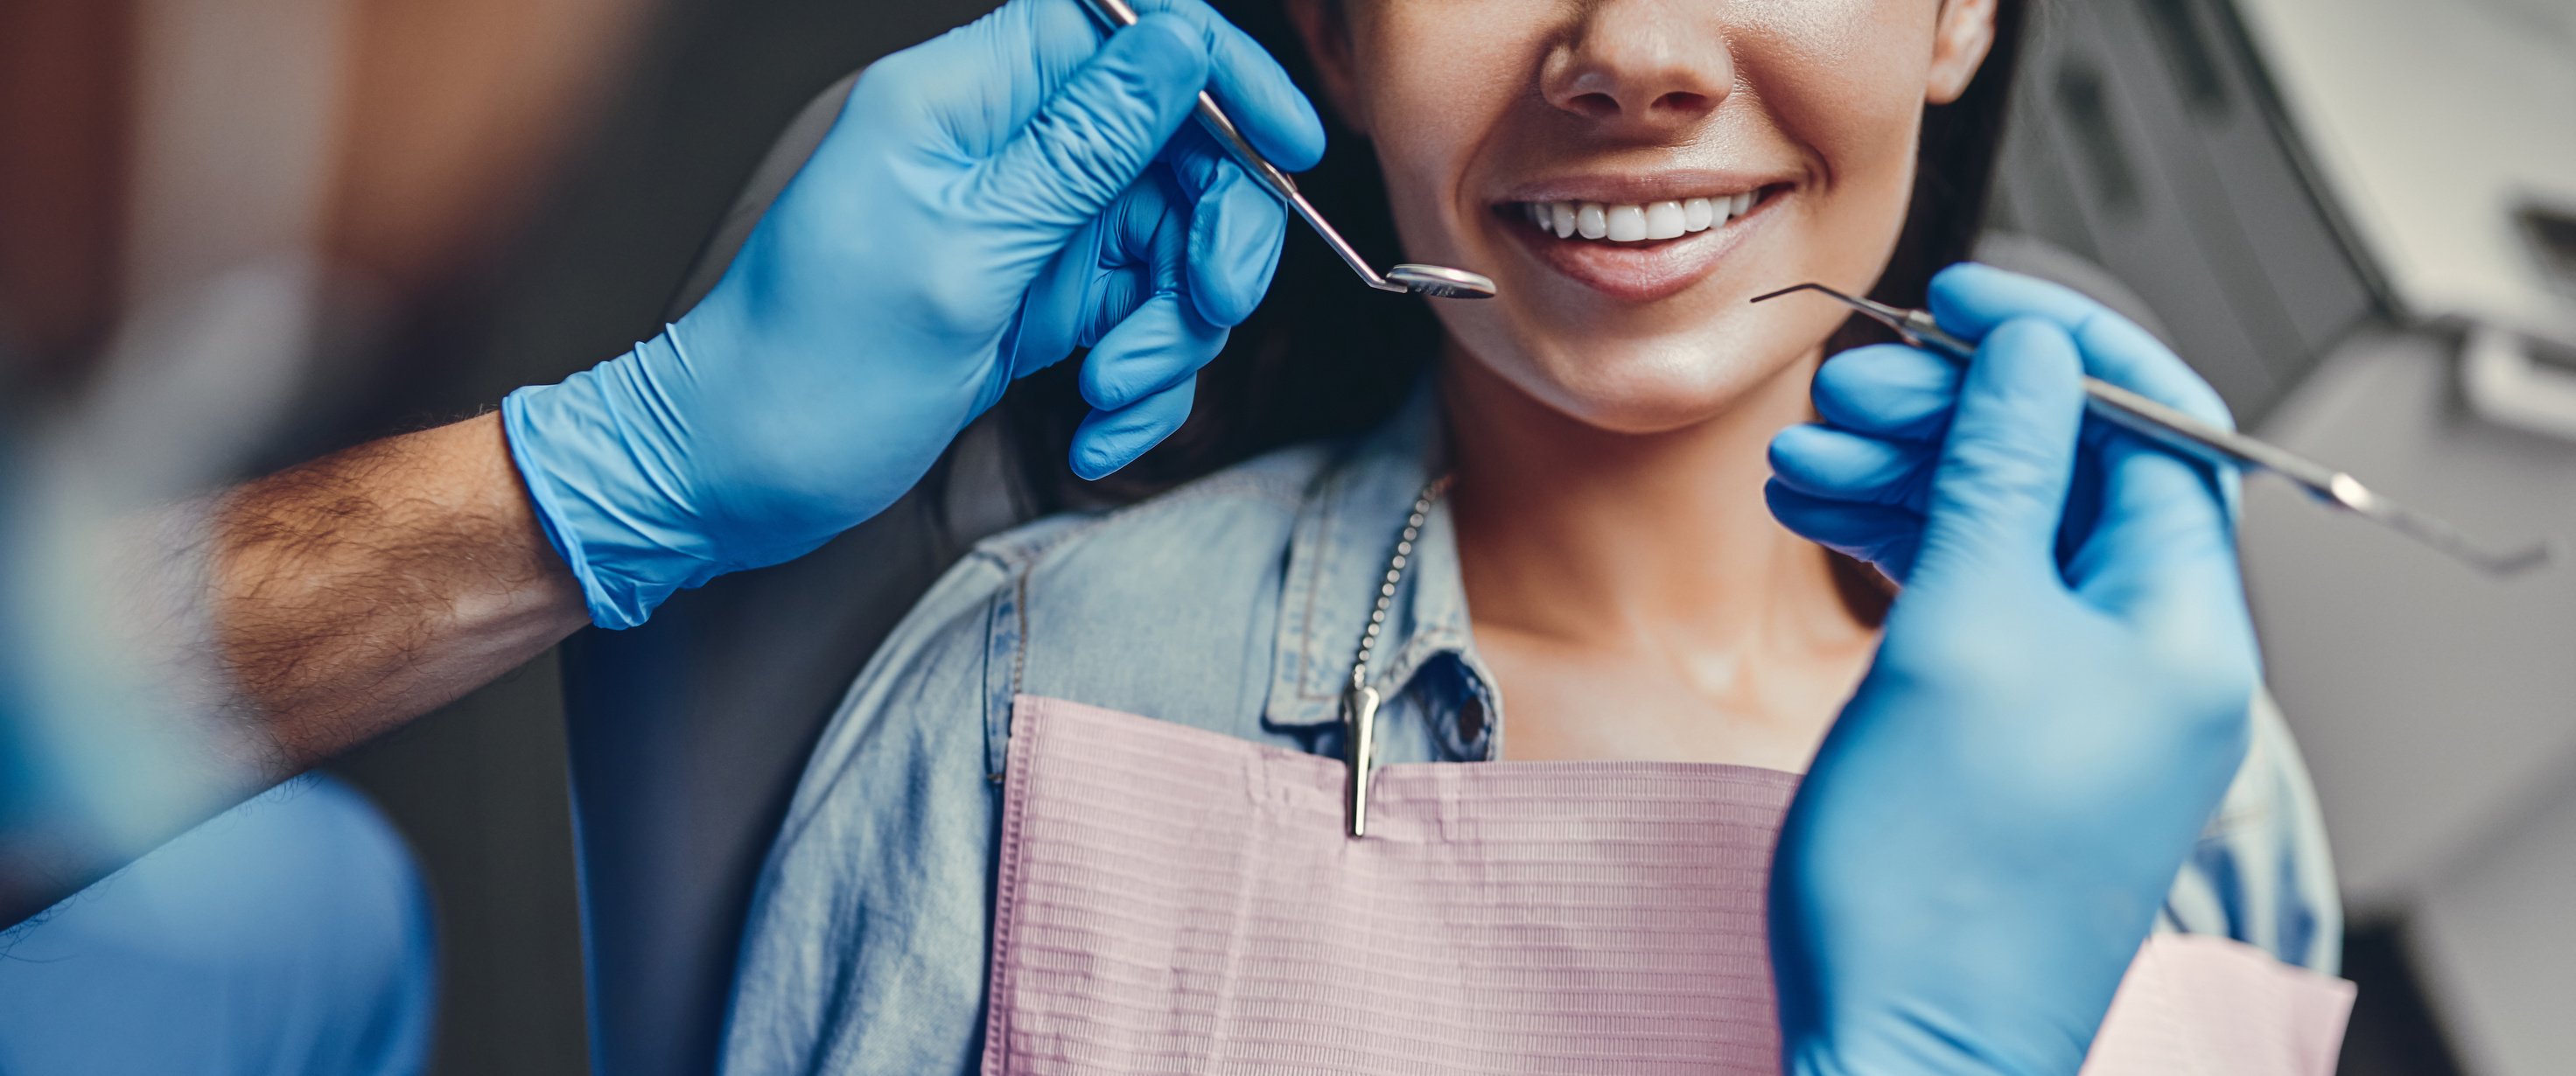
{"x":2195,"y":1005}
{"x":1178,"y":901}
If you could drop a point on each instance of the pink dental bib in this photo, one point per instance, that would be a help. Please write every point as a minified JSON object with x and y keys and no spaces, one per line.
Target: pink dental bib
{"x":1178,"y":901}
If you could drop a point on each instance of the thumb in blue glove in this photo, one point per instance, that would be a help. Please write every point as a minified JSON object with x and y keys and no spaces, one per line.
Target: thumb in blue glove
{"x":985,"y":203}
{"x":2053,"y":716}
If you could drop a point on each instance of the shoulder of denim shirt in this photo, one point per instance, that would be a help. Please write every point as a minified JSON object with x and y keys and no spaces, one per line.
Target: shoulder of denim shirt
{"x":1236,"y":602}
{"x":2263,"y":873}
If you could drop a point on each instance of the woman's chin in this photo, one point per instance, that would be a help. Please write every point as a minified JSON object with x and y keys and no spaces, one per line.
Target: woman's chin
{"x":1648,"y":401}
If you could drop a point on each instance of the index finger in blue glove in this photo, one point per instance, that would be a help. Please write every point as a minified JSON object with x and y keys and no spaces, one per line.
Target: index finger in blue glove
{"x":1887,"y":390}
{"x":2001,"y":485}
{"x":1256,"y":92}
{"x":1971,"y":300}
{"x":2162,"y":549}
{"x":984,"y":81}
{"x":1824,"y":461}
{"x":1095,"y":134}
{"x":1883,"y":536}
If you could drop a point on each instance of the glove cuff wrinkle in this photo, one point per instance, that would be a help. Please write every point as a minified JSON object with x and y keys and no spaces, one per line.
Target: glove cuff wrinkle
{"x":541,"y":497}
{"x":583,"y":475}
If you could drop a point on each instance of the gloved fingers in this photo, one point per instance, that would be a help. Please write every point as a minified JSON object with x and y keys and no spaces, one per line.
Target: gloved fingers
{"x":2000,"y":487}
{"x":983,"y":82}
{"x":1140,"y":247}
{"x":2164,"y":540}
{"x":1972,"y":299}
{"x":1883,"y":536}
{"x":1100,"y":276}
{"x":1141,"y":377}
{"x":1265,"y":104}
{"x":1147,"y":242}
{"x":1836,"y":464}
{"x":1057,"y":307}
{"x":1162,"y":343}
{"x":1887,"y":390}
{"x":1108,"y":440}
{"x":1150,"y":333}
{"x":1236,"y":232}
{"x":1094,"y":136}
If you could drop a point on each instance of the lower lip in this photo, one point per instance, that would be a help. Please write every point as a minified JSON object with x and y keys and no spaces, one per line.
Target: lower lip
{"x":1637,"y":272}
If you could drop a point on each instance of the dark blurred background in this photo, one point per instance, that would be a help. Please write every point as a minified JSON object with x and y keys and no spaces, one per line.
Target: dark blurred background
{"x":429,"y":204}
{"x":387,"y":214}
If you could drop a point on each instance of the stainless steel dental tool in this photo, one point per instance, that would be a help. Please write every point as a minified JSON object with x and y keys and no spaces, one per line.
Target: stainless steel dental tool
{"x":2200,"y":440}
{"x":1436,"y":281}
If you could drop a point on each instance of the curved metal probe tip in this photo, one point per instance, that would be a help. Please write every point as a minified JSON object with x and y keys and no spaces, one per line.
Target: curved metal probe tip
{"x":1794,"y":288}
{"x":1874,"y":310}
{"x":1442,"y":282}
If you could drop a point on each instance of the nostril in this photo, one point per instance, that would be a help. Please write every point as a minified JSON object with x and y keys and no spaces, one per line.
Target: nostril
{"x":1597,"y":106}
{"x":1680,"y":101}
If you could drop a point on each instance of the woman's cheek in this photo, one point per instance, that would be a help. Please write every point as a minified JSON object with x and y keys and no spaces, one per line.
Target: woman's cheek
{"x":1440,"y":79}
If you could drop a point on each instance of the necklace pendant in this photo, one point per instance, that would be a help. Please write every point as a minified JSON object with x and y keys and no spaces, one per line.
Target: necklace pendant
{"x":1359,"y":725}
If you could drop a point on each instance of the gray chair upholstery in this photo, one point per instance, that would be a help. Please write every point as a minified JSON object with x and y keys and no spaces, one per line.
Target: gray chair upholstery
{"x":688,"y":733}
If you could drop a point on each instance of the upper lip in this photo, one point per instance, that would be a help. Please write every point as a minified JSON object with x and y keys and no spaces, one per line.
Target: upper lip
{"x":1635,"y":188}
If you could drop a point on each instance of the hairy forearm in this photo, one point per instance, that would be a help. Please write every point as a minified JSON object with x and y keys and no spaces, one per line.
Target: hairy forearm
{"x":196,"y":655}
{"x":354,"y":593}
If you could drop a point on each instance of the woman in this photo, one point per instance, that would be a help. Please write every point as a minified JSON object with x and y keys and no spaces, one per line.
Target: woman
{"x":1599,"y":553}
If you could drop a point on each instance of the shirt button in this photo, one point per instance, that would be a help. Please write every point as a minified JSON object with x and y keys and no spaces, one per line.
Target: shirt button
{"x":1471,"y":720}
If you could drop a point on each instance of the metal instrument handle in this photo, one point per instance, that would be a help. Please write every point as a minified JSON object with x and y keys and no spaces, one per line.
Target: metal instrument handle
{"x":1213,"y":117}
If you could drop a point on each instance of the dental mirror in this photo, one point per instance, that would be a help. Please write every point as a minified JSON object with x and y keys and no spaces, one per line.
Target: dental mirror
{"x":1436,"y":281}
{"x":1442,"y":282}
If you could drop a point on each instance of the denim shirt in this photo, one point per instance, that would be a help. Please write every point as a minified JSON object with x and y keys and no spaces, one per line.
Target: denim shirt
{"x":1234,"y":604}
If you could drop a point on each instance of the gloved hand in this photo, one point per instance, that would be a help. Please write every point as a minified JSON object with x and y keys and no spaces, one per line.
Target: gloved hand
{"x":985,"y":203}
{"x":2056,"y":709}
{"x":1883,"y":409}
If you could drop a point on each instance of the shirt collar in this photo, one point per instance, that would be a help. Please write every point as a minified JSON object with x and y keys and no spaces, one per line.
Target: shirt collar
{"x":1337,"y":557}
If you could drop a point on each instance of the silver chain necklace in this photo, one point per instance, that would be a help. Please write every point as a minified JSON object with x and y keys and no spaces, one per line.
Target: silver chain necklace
{"x":1360,"y":701}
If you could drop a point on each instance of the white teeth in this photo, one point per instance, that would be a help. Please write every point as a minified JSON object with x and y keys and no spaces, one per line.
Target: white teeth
{"x":1627,"y":223}
{"x":1636,"y":222}
{"x":1664,"y":220}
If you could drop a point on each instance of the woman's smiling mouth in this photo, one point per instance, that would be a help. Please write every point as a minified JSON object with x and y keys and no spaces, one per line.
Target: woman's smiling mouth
{"x":1637,"y":251}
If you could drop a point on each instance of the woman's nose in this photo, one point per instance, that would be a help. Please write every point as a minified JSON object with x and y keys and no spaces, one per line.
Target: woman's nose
{"x":1641,"y":65}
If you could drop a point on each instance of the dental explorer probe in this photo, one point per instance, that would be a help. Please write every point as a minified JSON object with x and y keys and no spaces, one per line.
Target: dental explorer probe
{"x":2174,"y":429}
{"x":1436,"y":281}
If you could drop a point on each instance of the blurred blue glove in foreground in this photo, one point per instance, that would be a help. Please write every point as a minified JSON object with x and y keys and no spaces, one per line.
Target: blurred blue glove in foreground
{"x":2056,"y":710}
{"x":987,"y":202}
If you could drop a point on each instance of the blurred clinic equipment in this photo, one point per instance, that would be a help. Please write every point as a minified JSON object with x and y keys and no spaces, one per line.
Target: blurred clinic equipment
{"x":1436,"y":281}
{"x":2215,"y":444}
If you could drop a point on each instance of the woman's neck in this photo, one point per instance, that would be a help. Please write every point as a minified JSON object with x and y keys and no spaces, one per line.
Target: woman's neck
{"x":1641,"y":576}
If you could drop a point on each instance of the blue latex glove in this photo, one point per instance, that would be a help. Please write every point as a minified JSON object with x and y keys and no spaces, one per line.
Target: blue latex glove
{"x":987,"y":202}
{"x":2057,"y":708}
{"x":1884,"y":407}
